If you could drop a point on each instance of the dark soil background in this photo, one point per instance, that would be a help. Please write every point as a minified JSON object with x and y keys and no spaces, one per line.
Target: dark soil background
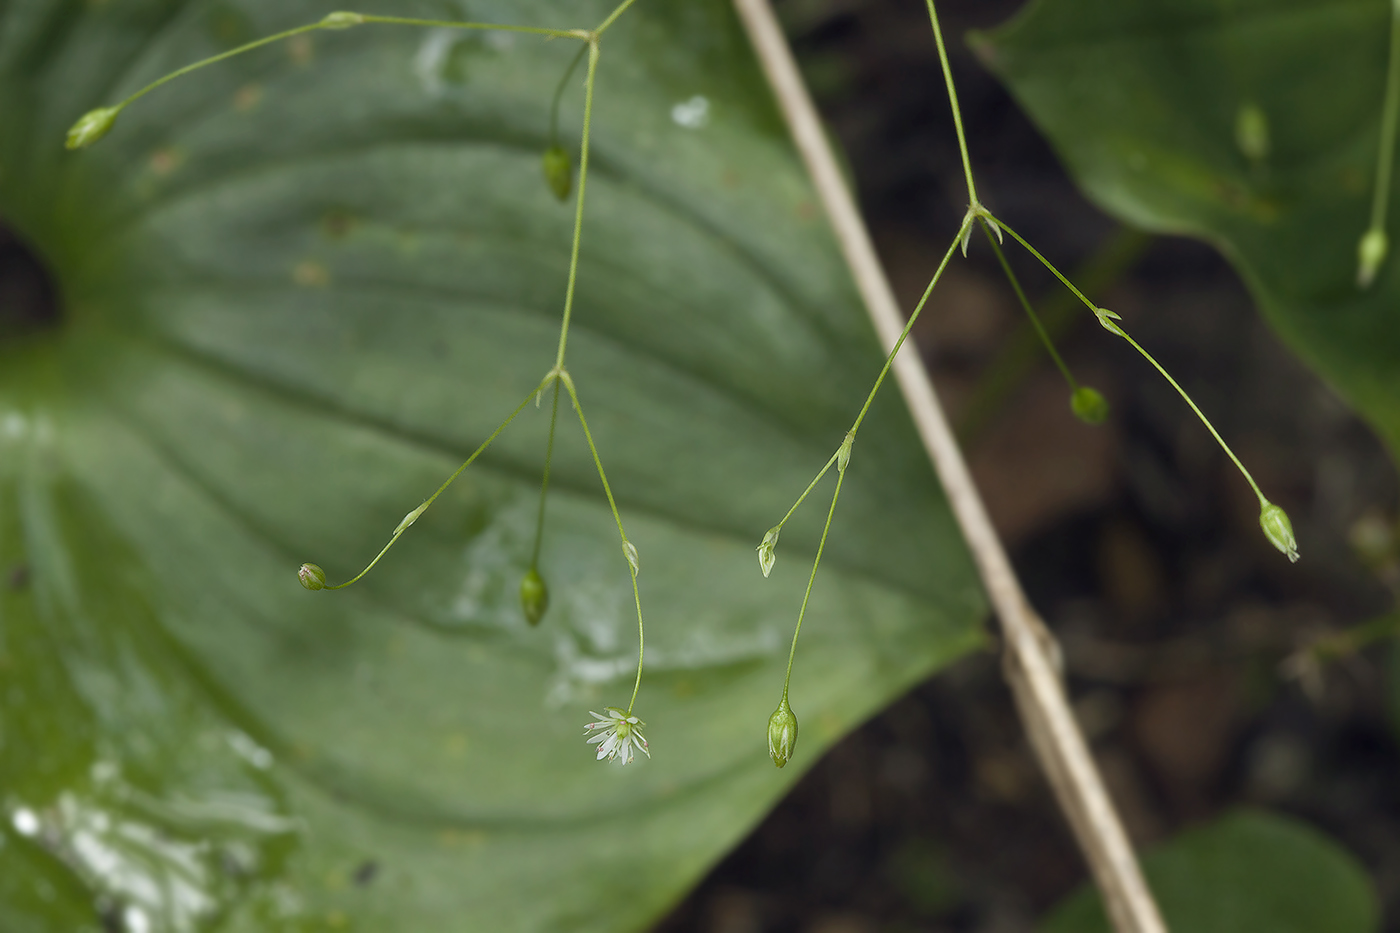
{"x":1207,"y":671}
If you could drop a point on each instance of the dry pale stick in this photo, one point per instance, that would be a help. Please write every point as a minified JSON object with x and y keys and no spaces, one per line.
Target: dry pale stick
{"x":1031,"y":658}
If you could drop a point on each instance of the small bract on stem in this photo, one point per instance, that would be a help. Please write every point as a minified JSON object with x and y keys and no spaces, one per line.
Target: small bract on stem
{"x":623,"y":733}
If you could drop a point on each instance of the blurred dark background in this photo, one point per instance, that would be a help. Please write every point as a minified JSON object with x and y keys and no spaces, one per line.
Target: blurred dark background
{"x":1207,"y":671}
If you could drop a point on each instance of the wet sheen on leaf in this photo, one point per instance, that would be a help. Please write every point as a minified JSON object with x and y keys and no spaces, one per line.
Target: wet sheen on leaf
{"x":298,"y":288}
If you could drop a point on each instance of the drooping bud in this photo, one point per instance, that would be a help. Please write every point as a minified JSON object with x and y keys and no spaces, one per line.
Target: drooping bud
{"x":843,"y":456}
{"x":1089,"y":405}
{"x":312,"y":577}
{"x":91,"y":127}
{"x":341,"y":20}
{"x":558,"y":171}
{"x":766,"y":557}
{"x":1370,"y":253}
{"x":1278,"y":529}
{"x":782,"y":733}
{"x":534,"y":596}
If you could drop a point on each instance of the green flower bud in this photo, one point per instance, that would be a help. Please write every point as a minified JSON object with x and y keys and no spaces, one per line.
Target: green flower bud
{"x":312,"y":577}
{"x":558,"y":171}
{"x":91,"y":127}
{"x":534,"y":596}
{"x":782,"y":733}
{"x":766,"y":557}
{"x":1252,"y":132}
{"x":341,"y":20}
{"x":1370,"y":253}
{"x":1278,"y":529}
{"x":629,"y":550}
{"x":1089,"y":405}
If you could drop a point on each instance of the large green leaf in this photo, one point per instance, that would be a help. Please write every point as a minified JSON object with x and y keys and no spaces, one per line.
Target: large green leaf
{"x":1143,"y":99}
{"x":298,"y":288}
{"x":1245,"y":871}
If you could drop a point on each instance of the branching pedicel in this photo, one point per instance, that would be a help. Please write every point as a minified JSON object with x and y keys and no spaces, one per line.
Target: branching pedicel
{"x":618,"y":731}
{"x":1086,"y":403}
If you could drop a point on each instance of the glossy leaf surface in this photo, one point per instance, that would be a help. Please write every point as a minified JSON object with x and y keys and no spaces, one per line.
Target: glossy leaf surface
{"x":297,"y":289}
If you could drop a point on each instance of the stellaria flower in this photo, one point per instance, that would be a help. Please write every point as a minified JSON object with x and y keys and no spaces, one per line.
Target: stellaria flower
{"x":619,"y":732}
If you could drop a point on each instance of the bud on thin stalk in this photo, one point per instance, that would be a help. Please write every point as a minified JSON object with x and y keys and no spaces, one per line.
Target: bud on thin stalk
{"x":782,"y":733}
{"x":91,"y":127}
{"x":1278,"y":529}
{"x":534,"y":596}
{"x":312,"y":577}
{"x":558,"y":171}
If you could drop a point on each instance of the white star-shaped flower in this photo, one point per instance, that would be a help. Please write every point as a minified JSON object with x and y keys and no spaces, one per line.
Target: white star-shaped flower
{"x":619,"y":733}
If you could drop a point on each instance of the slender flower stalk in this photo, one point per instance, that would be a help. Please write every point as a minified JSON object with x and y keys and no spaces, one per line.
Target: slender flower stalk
{"x":1087,"y":403}
{"x":622,"y":732}
{"x":1272,"y":518}
{"x":1371,"y":250}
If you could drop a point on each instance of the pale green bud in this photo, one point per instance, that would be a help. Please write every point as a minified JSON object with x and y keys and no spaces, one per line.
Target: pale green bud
{"x":1370,"y":253}
{"x":1252,"y":132}
{"x":341,"y":20}
{"x":558,"y":171}
{"x":843,"y":456}
{"x":1089,"y":405}
{"x":1278,"y":529}
{"x":766,"y":556}
{"x":534,"y":596}
{"x":312,"y":577}
{"x":91,"y":127}
{"x":782,"y":733}
{"x":629,"y":550}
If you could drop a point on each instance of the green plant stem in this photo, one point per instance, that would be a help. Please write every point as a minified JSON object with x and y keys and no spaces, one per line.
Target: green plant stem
{"x":593,"y":53}
{"x":841,"y":473}
{"x":1030,"y":311}
{"x":612,"y":17}
{"x":1058,"y":312}
{"x":497,"y":27}
{"x":448,"y":482}
{"x":559,"y":95}
{"x":810,"y":486}
{"x":617,"y":517}
{"x":312,"y":27}
{"x":1385,"y":160}
{"x":1199,"y":414}
{"x":889,"y":361}
{"x":544,"y":483}
{"x":802,"y":613}
{"x":1147,"y":356}
{"x":913,"y":318}
{"x":953,"y":101}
